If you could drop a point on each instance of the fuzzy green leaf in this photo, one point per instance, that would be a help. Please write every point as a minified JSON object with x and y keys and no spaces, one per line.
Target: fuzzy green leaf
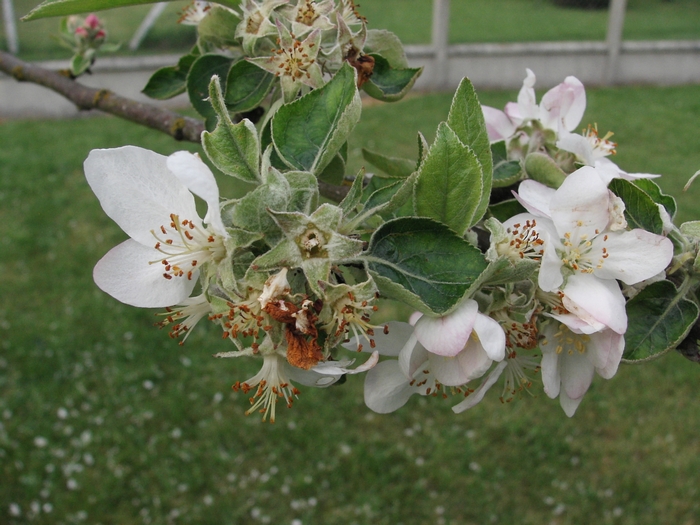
{"x":394,"y":167}
{"x":170,"y":81}
{"x":423,"y":263}
{"x":199,"y":77}
{"x":387,"y":83}
{"x":450,"y":183}
{"x":72,"y":7}
{"x":309,"y":132}
{"x":640,"y":209}
{"x":247,"y":86}
{"x":658,"y":319}
{"x":233,"y":148}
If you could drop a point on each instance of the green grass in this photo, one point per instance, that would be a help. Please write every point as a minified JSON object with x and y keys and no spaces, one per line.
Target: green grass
{"x":140,"y":430}
{"x":471,"y":21}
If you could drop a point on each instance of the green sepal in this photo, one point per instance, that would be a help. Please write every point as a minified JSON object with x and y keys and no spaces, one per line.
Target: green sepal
{"x":394,"y":167}
{"x":658,"y":319}
{"x":199,"y":78}
{"x":217,"y":29}
{"x":640,"y":209}
{"x":389,"y":84}
{"x":247,"y":86}
{"x":466,"y":119}
{"x":304,"y":191}
{"x":233,"y":148}
{"x":170,"y":81}
{"x":450,"y":187}
{"x":423,"y":263}
{"x":310,"y":131}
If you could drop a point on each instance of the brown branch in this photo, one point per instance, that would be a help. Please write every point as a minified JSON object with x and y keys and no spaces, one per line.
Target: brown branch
{"x":177,"y":126}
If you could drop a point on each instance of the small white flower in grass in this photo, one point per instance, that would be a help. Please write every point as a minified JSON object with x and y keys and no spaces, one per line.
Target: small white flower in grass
{"x":570,"y":359}
{"x":150,"y":197}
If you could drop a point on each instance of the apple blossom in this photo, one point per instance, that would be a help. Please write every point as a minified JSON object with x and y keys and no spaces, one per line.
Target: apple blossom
{"x":149,"y":196}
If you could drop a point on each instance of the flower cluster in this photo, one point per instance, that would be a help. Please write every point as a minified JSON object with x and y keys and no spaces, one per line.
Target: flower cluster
{"x":85,"y":37}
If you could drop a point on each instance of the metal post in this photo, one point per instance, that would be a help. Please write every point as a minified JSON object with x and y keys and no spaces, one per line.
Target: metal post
{"x":8,"y":13}
{"x":441,"y":24}
{"x":146,"y":25}
{"x":616,"y":21}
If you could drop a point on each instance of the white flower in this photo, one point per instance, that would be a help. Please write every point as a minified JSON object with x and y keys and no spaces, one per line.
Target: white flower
{"x":148,"y":196}
{"x":585,"y":252}
{"x":560,"y":109}
{"x":194,"y":13}
{"x":438,"y":352}
{"x":569,"y":360}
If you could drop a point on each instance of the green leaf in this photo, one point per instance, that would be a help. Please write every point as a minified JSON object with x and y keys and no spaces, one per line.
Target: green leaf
{"x":394,"y":167}
{"x":309,"y":132}
{"x":170,"y":81}
{"x":423,"y":263}
{"x":640,"y":209}
{"x":450,"y":185}
{"x":354,"y":196}
{"x":233,"y":148}
{"x":542,"y":168}
{"x":388,"y":45}
{"x":247,"y":86}
{"x":467,"y":120}
{"x":72,"y":7}
{"x":658,"y":319}
{"x":387,"y":83}
{"x":691,"y":229}
{"x":499,"y":152}
{"x":652,"y":189}
{"x":507,"y":173}
{"x":199,"y":77}
{"x":334,"y":172}
{"x":218,"y":28}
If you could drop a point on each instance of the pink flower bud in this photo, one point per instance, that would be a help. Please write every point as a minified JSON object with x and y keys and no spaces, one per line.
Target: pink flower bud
{"x":81,"y":32}
{"x":92,"y":21}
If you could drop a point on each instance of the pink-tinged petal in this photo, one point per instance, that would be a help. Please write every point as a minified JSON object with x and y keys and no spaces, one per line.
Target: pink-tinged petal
{"x":470,"y":363}
{"x":576,"y":372}
{"x":478,"y":395}
{"x":580,"y":205}
{"x":609,"y":347}
{"x":413,"y":319}
{"x":577,"y":325}
{"x":563,"y":105}
{"x":634,"y":256}
{"x":551,"y":377}
{"x":569,"y":405}
{"x":386,"y":387}
{"x":199,"y":179}
{"x":550,"y":277}
{"x":447,"y":335}
{"x":126,"y":274}
{"x":527,"y":103}
{"x":491,"y":336}
{"x":137,"y":190}
{"x":596,"y":301}
{"x":412,"y":356}
{"x":498,"y":125}
{"x":535,"y":197}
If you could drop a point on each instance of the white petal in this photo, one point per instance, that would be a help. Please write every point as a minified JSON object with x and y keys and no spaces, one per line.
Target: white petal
{"x":596,"y":300}
{"x":581,"y":204}
{"x":550,"y":277}
{"x":551,"y":377}
{"x":568,"y":404}
{"x":386,"y":387}
{"x":578,"y":145}
{"x":478,"y":394}
{"x":125,"y":274}
{"x":470,"y":363}
{"x":447,"y":335}
{"x":339,"y":368}
{"x":199,"y":179}
{"x":576,"y":373}
{"x":609,"y":347}
{"x":491,"y":336}
{"x":498,"y":125}
{"x":563,"y":105}
{"x":137,"y":190}
{"x":412,"y":356}
{"x":635,"y":255}
{"x":535,"y":197}
{"x":386,"y":344}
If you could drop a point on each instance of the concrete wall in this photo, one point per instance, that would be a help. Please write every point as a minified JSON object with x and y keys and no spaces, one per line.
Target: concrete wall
{"x":487,"y":65}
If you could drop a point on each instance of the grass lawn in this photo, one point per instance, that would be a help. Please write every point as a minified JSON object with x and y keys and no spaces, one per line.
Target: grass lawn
{"x":105,"y":420}
{"x":470,"y":21}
